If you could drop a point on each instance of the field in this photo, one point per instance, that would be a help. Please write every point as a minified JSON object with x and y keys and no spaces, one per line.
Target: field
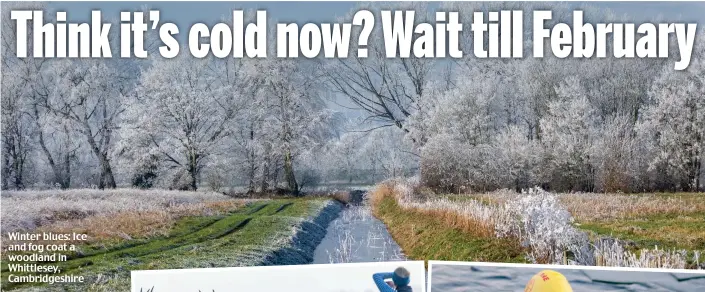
{"x":638,"y":230}
{"x":666,"y":220}
{"x":135,"y":230}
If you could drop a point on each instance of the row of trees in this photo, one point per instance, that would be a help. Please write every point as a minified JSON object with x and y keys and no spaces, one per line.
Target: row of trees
{"x":178,"y":120}
{"x":246,"y":117}
{"x":644,"y":136}
{"x":565,"y":124}
{"x":179,"y":123}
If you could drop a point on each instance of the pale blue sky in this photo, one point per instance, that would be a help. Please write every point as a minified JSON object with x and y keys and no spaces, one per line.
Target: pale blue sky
{"x":186,"y":13}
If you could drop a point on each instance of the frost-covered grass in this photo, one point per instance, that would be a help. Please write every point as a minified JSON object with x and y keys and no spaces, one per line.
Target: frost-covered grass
{"x":572,"y":228}
{"x":673,"y":220}
{"x":27,"y":210}
{"x":613,"y":253}
{"x":109,"y":217}
{"x":245,"y":236}
{"x":645,"y":221}
{"x":439,"y":229}
{"x":600,"y":207}
{"x":654,"y":230}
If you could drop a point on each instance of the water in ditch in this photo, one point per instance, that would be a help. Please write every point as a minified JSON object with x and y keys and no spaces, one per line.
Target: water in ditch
{"x":455,"y":278}
{"x":357,"y":236}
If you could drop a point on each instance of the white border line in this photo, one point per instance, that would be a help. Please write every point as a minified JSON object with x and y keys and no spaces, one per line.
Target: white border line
{"x":429,"y":272}
{"x":564,"y":267}
{"x":281,"y":267}
{"x":176,"y":272}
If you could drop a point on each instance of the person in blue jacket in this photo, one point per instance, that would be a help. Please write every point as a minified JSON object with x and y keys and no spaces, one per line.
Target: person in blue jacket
{"x":400,"y":281}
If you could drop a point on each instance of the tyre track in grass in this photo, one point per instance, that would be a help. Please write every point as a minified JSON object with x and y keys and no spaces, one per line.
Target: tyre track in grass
{"x":251,"y":209}
{"x":215,"y":229}
{"x":283,"y":207}
{"x":238,"y":233}
{"x":257,"y":209}
{"x":236,"y":228}
{"x":151,"y":248}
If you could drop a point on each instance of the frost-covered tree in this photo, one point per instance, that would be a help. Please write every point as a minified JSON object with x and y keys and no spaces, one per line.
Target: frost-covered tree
{"x":18,"y":74}
{"x":389,"y":154}
{"x":249,"y":139}
{"x":58,"y":140}
{"x":517,"y":158}
{"x":345,"y":155}
{"x":89,"y":95}
{"x":675,"y":122}
{"x":387,"y":90}
{"x":618,"y":156}
{"x":16,"y":130}
{"x":469,"y":111}
{"x":569,"y":131}
{"x":295,"y":111}
{"x":464,"y":120}
{"x":179,"y":118}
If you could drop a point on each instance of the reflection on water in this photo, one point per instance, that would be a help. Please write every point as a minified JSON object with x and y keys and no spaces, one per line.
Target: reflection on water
{"x":457,"y":278}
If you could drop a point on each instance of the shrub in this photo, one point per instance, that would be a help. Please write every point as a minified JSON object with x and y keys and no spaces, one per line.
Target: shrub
{"x":145,"y":175}
{"x":543,"y":225}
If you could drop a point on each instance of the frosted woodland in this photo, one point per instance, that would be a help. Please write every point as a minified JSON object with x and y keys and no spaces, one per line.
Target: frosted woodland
{"x":462,"y":125}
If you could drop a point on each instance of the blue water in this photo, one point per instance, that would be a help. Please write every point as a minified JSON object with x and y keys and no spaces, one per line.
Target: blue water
{"x":455,"y":278}
{"x":356,"y":236}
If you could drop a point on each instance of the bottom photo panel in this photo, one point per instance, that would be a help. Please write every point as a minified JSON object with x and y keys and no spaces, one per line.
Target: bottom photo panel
{"x":478,"y":276}
{"x":402,"y":276}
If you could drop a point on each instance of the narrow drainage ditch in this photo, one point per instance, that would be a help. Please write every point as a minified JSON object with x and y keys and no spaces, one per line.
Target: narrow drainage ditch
{"x":357,"y":236}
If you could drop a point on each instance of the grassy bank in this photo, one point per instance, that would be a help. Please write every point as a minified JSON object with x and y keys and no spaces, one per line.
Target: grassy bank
{"x":640,"y":230}
{"x":238,"y":234}
{"x":438,"y":235}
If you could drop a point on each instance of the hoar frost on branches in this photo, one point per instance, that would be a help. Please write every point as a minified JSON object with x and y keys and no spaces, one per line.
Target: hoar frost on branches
{"x":180,"y":118}
{"x":675,"y":124}
{"x":90,"y":95}
{"x":569,"y":130}
{"x":295,"y":112}
{"x":545,"y":228}
{"x":566,"y":125}
{"x":388,"y":91}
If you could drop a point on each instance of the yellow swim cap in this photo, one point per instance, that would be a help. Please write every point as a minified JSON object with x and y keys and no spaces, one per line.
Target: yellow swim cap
{"x":548,"y":281}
